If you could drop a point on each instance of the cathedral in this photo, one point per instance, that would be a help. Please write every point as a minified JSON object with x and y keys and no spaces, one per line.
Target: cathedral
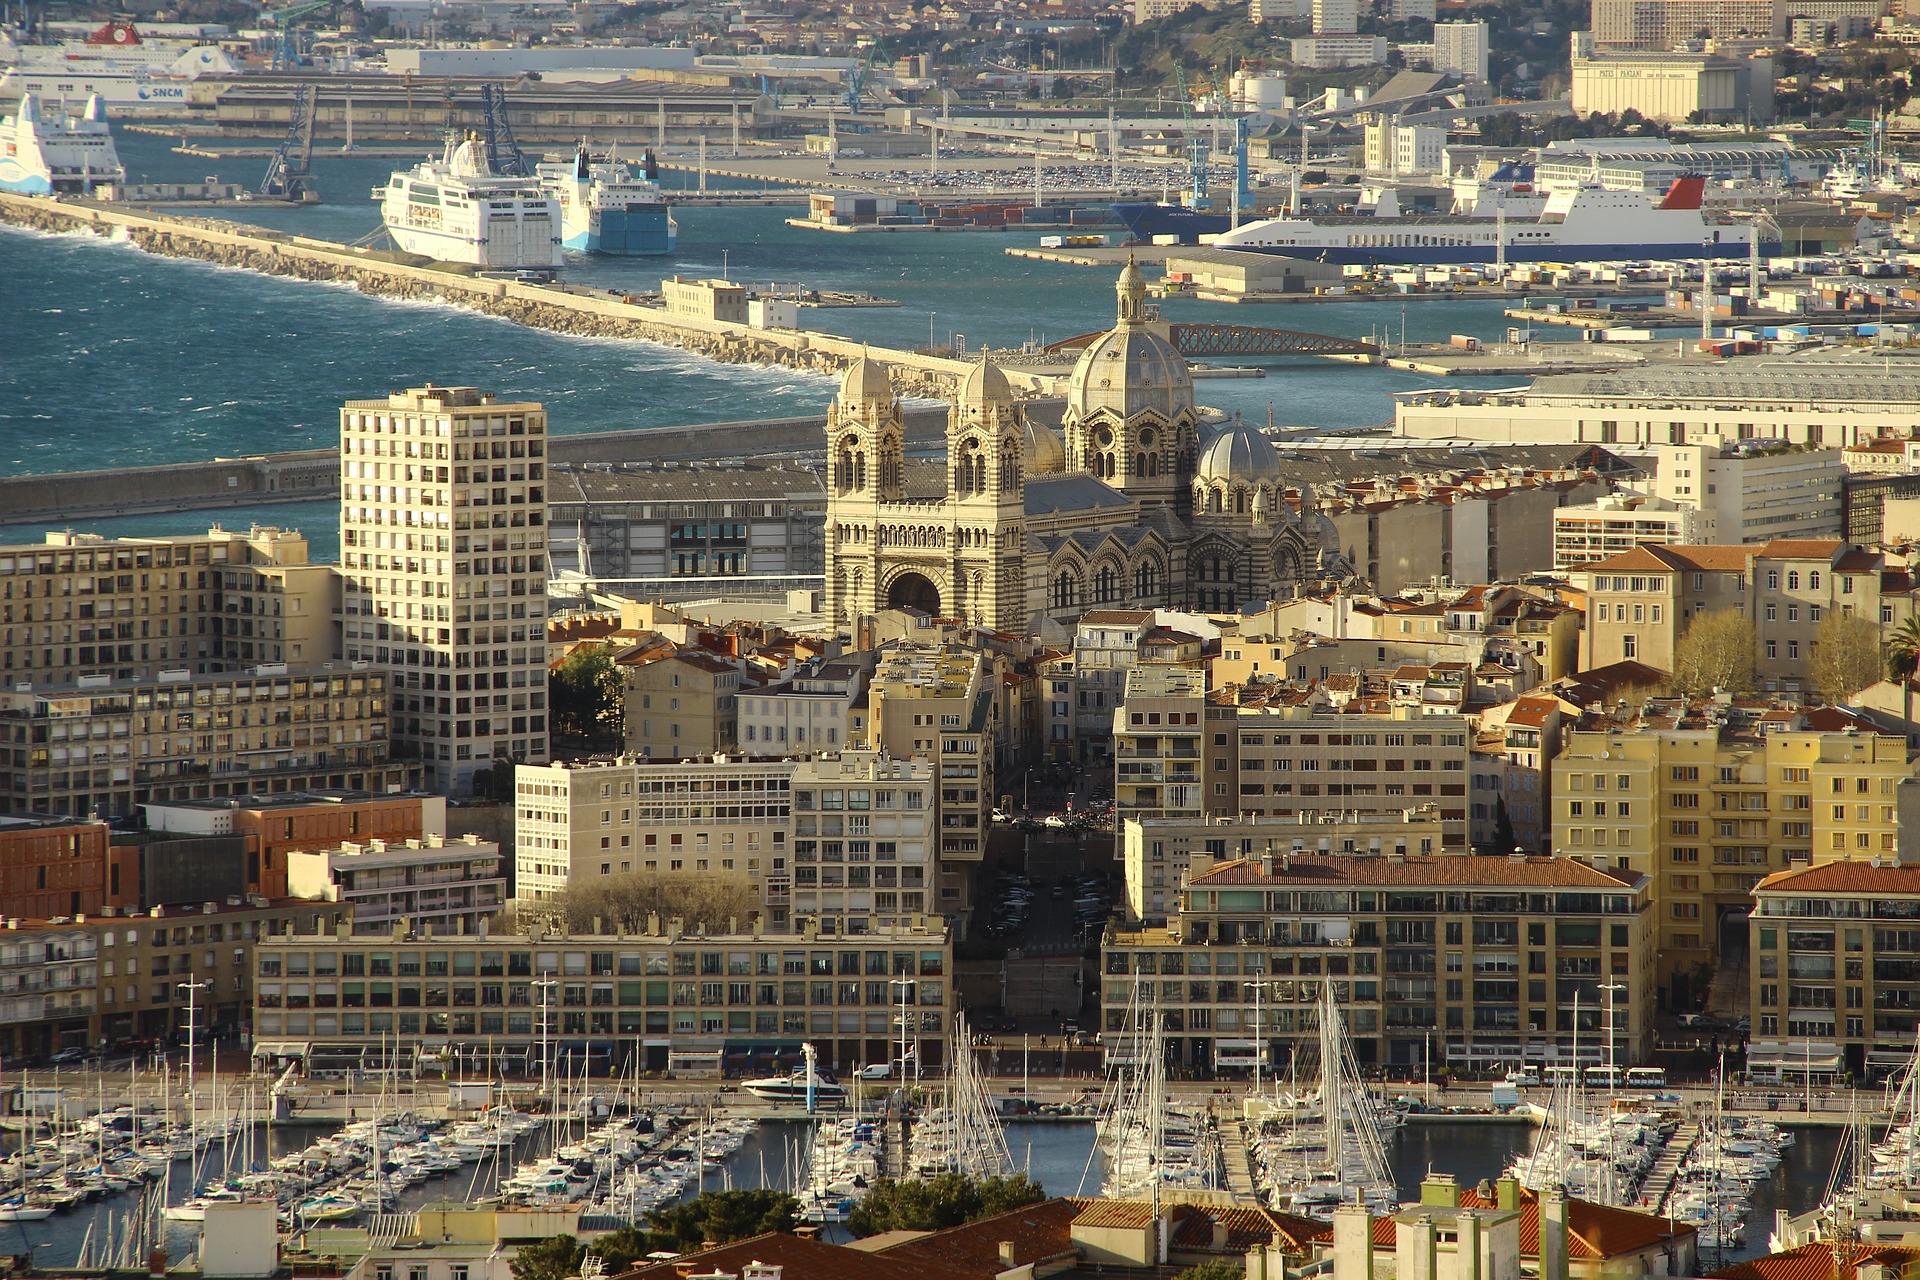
{"x":1130,"y":505}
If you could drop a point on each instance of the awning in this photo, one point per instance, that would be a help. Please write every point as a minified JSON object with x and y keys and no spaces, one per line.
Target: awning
{"x":282,"y":1048}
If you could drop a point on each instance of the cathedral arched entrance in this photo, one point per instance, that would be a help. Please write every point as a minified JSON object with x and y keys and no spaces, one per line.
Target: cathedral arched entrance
{"x":914,"y":591}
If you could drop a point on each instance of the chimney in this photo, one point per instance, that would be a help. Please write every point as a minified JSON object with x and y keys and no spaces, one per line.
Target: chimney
{"x":1006,"y":1255}
{"x":1553,"y":1235}
{"x":1440,"y":1189}
{"x":1352,"y":1243}
{"x":1414,"y":1246}
{"x":1507,"y":1192}
{"x":1466,"y":1257}
{"x":157,"y":1262}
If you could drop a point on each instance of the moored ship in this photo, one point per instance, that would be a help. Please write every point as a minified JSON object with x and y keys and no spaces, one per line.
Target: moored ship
{"x":605,"y":207}
{"x":46,"y":152}
{"x":457,"y":209}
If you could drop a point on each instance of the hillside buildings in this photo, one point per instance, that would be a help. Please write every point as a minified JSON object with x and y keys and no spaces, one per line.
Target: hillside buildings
{"x":443,"y":549}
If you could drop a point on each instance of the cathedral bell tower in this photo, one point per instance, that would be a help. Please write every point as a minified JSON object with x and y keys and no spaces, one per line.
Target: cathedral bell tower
{"x":866,"y":468}
{"x":986,"y":494}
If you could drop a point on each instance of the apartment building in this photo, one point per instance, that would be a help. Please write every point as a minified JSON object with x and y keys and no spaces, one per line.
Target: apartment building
{"x":1708,"y":799}
{"x":1641,"y":603}
{"x":272,"y":827}
{"x":941,"y":705}
{"x":864,"y":841}
{"x":443,"y":551}
{"x":1296,"y":756}
{"x":1106,"y":643}
{"x":1157,"y":853}
{"x":82,"y":607}
{"x":442,"y":886}
{"x":1158,"y":731}
{"x":48,"y":971}
{"x":726,"y":816}
{"x":680,"y":704}
{"x":1747,"y":490}
{"x":1834,"y":971}
{"x":1434,"y":961}
{"x":52,"y":866}
{"x":822,"y":705}
{"x":672,"y":1000}
{"x":1615,"y":525}
{"x":105,"y":747}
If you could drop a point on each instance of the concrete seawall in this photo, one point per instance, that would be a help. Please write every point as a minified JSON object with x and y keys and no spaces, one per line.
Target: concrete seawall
{"x":313,"y":475}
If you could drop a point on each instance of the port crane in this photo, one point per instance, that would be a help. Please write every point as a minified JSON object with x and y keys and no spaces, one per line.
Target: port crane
{"x":857,"y":79}
{"x":1197,"y":149}
{"x":286,"y":51}
{"x":289,"y":173}
{"x":503,"y":153}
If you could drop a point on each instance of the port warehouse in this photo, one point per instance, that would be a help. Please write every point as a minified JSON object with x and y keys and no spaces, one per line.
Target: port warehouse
{"x":391,"y":107}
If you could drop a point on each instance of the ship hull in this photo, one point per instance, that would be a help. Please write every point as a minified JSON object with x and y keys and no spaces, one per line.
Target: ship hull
{"x":637,"y":231}
{"x":1486,"y":255}
{"x":1145,"y":221}
{"x":21,"y":181}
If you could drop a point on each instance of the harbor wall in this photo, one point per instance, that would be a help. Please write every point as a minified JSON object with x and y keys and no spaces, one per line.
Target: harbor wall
{"x":313,"y":475}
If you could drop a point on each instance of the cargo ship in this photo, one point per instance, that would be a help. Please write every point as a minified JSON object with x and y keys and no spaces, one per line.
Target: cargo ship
{"x":457,"y":209}
{"x":46,"y":152}
{"x":1582,"y":224}
{"x":605,"y":207}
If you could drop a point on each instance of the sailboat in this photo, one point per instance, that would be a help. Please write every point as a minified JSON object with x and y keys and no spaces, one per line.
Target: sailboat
{"x":963,"y":1135}
{"x":1151,"y":1142}
{"x":1327,"y":1150}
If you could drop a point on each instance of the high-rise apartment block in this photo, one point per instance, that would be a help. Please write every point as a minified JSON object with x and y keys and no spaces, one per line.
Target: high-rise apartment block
{"x":443,"y":548}
{"x":864,"y":843}
{"x":1460,"y":48}
{"x":82,"y":607}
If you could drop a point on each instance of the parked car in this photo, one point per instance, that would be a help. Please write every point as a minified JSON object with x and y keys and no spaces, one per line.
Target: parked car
{"x":61,"y":1057}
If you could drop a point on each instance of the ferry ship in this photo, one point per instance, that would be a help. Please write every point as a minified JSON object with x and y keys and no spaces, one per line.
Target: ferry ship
{"x":127,"y":71}
{"x":457,"y":209}
{"x":1579,"y":225}
{"x":606,"y":208}
{"x":47,"y":154}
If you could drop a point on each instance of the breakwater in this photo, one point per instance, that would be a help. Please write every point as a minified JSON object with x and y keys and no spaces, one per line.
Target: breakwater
{"x":556,"y":307}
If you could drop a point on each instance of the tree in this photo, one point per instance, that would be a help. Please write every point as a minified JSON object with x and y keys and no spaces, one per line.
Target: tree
{"x":624,"y":901}
{"x":554,"y":1258}
{"x":584,"y":696}
{"x":934,"y":1204}
{"x":1214,"y":1269}
{"x":1846,"y":656}
{"x":721,"y":1216}
{"x":1715,"y":653}
{"x":1902,"y":653}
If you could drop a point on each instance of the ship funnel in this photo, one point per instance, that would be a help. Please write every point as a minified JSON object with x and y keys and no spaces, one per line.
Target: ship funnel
{"x":96,"y":110}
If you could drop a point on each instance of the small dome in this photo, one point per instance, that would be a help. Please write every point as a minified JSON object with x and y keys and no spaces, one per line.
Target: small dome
{"x":1238,"y":451}
{"x":1129,"y":370}
{"x":1041,"y":449}
{"x":866,"y":382}
{"x":985,"y":384}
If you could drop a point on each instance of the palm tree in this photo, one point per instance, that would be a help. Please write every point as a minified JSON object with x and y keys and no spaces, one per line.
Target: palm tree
{"x":1902,"y":652}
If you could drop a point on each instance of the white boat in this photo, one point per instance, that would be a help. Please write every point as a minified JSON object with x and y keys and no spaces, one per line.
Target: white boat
{"x":605,"y":207}
{"x":801,"y":1086}
{"x":47,"y":152}
{"x":1584,"y":224}
{"x":21,"y":1211}
{"x":457,"y":209}
{"x":129,"y":72}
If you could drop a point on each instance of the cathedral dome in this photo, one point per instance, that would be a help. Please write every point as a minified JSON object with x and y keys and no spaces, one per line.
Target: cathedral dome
{"x":1042,"y":450}
{"x":985,"y":384}
{"x":1238,"y":451}
{"x":866,"y":381}
{"x":1130,"y":370}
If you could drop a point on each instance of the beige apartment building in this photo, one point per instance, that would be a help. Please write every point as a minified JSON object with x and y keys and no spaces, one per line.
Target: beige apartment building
{"x":83,"y":607}
{"x":443,"y":548}
{"x":683,"y":704}
{"x":724,"y":816}
{"x":104,"y":748}
{"x":1298,"y":758}
{"x":1707,"y":801}
{"x":1434,"y":961}
{"x":1834,"y":971}
{"x":1641,"y":603}
{"x":446,"y":886}
{"x":1158,"y":733}
{"x":864,"y":842}
{"x":940,"y":705}
{"x":693,"y":1003}
{"x":1157,"y":853}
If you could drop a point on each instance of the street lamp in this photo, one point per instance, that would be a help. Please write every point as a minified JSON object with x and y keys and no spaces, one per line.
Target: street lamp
{"x":1259,"y":1025}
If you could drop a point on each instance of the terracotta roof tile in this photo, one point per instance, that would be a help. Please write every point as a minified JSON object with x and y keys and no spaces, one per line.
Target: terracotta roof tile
{"x":1844,"y":877}
{"x":801,"y":1258}
{"x":1037,"y":1232}
{"x":1594,"y":1232}
{"x":1816,"y":1261}
{"x":1800,"y":548}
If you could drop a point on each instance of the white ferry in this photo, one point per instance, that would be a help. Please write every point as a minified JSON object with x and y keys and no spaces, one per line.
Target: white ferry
{"x":457,"y":209}
{"x":606,"y":208}
{"x":44,"y":153}
{"x":127,"y":71}
{"x":1580,"y":225}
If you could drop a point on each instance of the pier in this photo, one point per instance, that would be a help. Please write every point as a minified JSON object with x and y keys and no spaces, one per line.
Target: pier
{"x":1658,"y":1188}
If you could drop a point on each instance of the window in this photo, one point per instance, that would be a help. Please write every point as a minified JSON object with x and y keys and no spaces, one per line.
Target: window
{"x":1629,"y":646}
